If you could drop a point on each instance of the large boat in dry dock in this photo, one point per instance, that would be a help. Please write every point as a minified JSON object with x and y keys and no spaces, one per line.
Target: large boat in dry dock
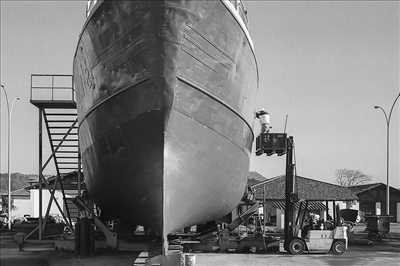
{"x":165,"y":94}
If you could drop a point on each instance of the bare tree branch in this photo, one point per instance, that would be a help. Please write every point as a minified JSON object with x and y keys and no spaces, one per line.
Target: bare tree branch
{"x":348,"y":177}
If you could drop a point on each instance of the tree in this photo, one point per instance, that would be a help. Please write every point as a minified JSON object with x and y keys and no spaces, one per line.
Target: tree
{"x":348,"y":177}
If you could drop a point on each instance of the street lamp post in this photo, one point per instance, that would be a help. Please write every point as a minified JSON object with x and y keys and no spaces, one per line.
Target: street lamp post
{"x":387,"y":118}
{"x":9,"y":111}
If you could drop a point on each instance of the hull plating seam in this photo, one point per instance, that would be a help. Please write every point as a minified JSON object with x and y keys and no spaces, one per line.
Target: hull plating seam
{"x":94,"y":107}
{"x":222,"y":135}
{"x":244,"y":29}
{"x":211,"y":43}
{"x":224,"y":2}
{"x":191,"y":84}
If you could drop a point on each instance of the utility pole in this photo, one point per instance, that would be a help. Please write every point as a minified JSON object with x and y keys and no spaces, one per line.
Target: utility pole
{"x":2,"y":88}
{"x":9,"y":113}
{"x":387,"y":119}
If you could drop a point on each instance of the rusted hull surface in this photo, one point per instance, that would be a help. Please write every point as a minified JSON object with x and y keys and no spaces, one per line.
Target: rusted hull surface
{"x":165,"y":91}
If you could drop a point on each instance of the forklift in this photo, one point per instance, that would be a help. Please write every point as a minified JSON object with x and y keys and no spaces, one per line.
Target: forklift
{"x":296,"y":239}
{"x":324,"y":238}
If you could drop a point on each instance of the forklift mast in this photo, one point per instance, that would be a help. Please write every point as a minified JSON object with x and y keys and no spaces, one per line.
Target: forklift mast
{"x":280,"y":144}
{"x":290,"y":192}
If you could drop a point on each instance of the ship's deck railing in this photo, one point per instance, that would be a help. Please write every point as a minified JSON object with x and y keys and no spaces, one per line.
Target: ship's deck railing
{"x":47,"y":88}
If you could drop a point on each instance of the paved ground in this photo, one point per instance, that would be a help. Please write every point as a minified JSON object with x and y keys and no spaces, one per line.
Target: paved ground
{"x":350,"y":258}
{"x":385,"y":253}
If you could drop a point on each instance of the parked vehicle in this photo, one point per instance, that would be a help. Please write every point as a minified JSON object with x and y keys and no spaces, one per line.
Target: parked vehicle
{"x":349,"y":218}
{"x":27,"y":224}
{"x":377,"y":226}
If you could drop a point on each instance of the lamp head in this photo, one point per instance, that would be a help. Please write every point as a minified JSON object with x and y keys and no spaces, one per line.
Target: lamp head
{"x":376,"y":107}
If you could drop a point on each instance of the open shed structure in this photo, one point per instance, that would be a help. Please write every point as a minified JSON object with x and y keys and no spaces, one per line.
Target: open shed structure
{"x":321,"y":197}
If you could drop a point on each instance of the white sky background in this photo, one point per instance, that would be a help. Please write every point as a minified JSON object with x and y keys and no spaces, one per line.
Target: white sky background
{"x":324,"y":64}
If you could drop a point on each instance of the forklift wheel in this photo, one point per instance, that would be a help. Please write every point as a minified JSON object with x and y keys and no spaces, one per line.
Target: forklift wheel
{"x":338,"y":247}
{"x":296,"y":246}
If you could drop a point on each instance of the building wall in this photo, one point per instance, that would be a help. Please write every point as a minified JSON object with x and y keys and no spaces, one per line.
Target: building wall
{"x":45,"y":200}
{"x":270,"y":213}
{"x":22,"y":206}
{"x":369,"y":198}
{"x":280,"y":219}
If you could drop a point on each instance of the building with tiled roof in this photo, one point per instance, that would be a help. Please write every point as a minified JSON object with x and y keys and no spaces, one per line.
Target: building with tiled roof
{"x":372,"y":200}
{"x":317,"y":193}
{"x":307,"y":189}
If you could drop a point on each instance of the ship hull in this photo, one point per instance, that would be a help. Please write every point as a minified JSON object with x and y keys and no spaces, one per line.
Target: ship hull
{"x":163,"y":91}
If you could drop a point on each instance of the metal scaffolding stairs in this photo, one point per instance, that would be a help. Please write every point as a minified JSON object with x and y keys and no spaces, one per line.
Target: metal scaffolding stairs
{"x":54,"y":97}
{"x":62,"y":130}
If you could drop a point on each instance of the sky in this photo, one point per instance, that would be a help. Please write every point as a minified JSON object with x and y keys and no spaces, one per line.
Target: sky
{"x":324,"y":64}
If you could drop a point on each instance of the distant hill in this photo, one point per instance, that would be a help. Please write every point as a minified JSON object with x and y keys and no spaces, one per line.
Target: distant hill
{"x":18,"y":181}
{"x":254,"y":178}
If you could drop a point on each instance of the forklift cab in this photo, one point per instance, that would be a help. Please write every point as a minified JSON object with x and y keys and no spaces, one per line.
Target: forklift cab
{"x":320,"y":241}
{"x":317,"y":240}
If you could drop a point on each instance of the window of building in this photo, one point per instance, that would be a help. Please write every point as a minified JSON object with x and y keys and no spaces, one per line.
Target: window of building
{"x":377,"y":208}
